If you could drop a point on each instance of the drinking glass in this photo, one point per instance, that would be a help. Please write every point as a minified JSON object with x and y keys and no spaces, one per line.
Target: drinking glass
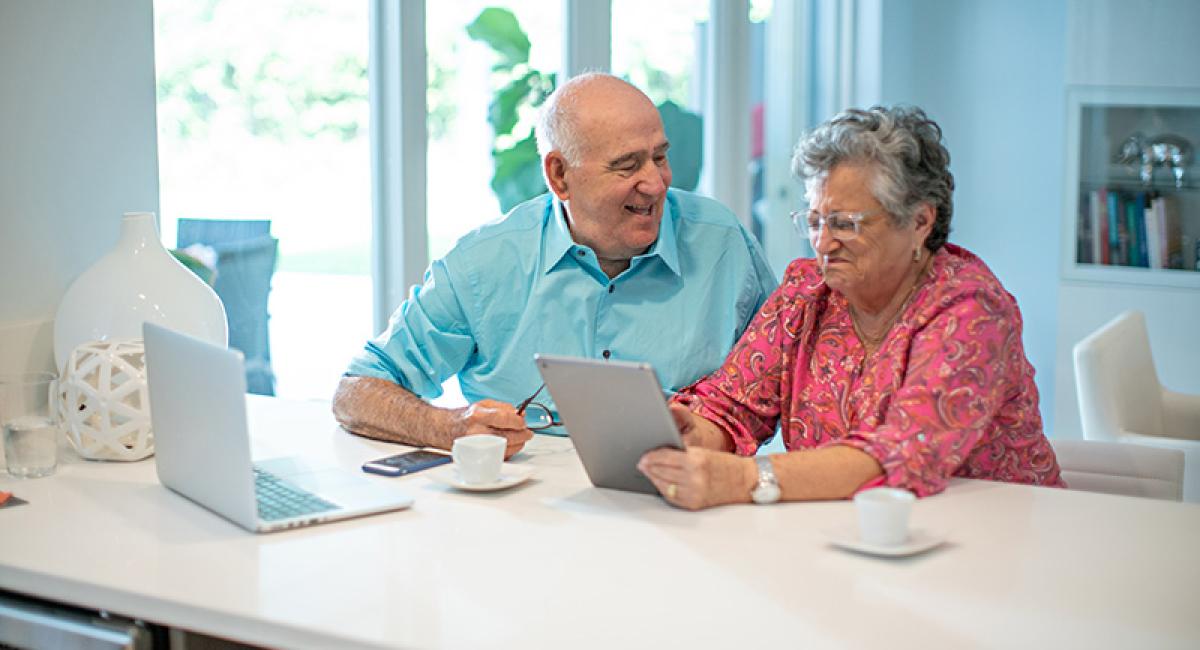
{"x":28,"y":424}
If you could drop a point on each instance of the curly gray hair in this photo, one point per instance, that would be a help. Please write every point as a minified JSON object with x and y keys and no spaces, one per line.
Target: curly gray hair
{"x":902,"y":145}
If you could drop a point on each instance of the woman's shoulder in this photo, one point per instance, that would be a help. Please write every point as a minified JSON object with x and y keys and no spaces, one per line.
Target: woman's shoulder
{"x":802,"y":279}
{"x":959,"y":272}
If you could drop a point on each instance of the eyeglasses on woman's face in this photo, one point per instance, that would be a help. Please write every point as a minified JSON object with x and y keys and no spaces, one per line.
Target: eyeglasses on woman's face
{"x":537,"y":416}
{"x":843,"y":226}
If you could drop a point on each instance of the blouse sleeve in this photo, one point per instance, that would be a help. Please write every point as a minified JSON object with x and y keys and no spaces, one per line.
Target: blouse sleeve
{"x":743,"y":395}
{"x":962,"y":361}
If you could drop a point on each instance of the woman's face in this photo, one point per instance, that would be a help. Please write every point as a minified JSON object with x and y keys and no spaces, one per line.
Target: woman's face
{"x":870,"y":268}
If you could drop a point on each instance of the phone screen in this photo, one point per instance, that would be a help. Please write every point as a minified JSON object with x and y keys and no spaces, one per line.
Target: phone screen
{"x":406,"y":463}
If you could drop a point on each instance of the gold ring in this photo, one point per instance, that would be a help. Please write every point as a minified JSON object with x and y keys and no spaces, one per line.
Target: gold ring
{"x":671,"y":489}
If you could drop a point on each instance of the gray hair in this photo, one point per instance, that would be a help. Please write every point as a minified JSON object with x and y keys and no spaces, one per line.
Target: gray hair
{"x":557,"y":127}
{"x":904,"y":149}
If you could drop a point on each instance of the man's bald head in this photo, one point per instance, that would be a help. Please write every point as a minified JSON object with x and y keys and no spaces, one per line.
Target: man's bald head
{"x":563,"y":115}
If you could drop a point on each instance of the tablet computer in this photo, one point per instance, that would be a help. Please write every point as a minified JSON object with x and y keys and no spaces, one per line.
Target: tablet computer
{"x":614,"y":411}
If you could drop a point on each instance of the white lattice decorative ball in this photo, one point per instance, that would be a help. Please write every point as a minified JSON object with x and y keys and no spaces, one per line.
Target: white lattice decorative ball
{"x":103,"y":403}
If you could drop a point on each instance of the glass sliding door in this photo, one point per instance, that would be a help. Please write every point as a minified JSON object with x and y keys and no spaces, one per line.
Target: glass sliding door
{"x":263,"y":136}
{"x":473,"y":57}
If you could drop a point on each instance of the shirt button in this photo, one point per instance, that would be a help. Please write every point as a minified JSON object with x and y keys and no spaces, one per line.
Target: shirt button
{"x":580,"y":252}
{"x":612,"y":288}
{"x":606,"y":354}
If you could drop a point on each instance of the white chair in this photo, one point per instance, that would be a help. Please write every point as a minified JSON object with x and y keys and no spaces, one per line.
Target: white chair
{"x":1116,"y":468}
{"x":1121,"y":399}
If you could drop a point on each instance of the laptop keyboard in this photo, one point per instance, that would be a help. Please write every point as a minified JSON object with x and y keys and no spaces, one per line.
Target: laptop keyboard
{"x":279,"y":500}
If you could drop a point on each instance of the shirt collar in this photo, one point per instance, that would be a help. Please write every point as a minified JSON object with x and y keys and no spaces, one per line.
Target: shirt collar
{"x":558,"y":242}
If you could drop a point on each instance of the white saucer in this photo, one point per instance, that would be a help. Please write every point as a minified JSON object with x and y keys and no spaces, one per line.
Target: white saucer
{"x":510,"y":474}
{"x":919,"y":541}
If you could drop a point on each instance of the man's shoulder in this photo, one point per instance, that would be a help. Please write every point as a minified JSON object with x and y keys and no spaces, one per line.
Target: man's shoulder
{"x":514,"y":227}
{"x":694,"y":208}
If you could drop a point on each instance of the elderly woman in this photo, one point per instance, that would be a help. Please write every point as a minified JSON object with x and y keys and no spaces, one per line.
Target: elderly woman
{"x":892,"y":358}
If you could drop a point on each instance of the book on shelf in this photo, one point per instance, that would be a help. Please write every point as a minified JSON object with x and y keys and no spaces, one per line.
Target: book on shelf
{"x":1135,"y":216}
{"x":1114,"y":229}
{"x":1154,"y":239}
{"x":1130,"y":228}
{"x":1083,"y":233}
{"x":1166,"y":209}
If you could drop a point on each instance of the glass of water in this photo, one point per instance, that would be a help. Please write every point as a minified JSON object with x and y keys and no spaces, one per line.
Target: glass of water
{"x":28,"y":424}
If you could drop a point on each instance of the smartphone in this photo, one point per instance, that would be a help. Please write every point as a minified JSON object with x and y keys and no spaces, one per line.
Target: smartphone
{"x":407,"y":463}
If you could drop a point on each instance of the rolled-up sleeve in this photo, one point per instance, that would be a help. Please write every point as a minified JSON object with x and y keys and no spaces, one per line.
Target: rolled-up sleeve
{"x":960,"y":367}
{"x":428,"y":338}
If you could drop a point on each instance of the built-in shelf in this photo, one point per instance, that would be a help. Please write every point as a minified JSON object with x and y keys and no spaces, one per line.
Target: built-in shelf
{"x":1120,"y":229}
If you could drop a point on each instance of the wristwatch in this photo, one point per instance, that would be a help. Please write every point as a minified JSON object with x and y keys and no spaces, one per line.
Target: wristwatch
{"x":767,"y":490}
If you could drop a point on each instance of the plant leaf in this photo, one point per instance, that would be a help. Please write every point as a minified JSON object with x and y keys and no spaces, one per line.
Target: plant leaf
{"x":202,"y":270}
{"x":685,"y":132}
{"x":518,"y":175}
{"x":503,"y":112}
{"x":499,"y":29}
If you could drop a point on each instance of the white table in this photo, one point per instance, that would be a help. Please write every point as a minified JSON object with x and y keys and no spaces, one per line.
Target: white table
{"x":558,"y":563}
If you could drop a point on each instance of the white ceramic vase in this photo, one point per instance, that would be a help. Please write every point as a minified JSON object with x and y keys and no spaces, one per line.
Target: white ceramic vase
{"x":137,"y":281}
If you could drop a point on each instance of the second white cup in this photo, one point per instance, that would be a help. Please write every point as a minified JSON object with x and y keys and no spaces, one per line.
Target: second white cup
{"x":883,"y":515}
{"x":479,"y":458}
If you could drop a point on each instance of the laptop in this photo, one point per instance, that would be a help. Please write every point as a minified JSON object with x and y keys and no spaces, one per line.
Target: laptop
{"x":614,"y":412}
{"x":202,"y":443}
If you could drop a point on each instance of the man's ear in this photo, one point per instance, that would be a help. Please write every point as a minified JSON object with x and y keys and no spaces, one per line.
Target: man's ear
{"x":554,"y":167}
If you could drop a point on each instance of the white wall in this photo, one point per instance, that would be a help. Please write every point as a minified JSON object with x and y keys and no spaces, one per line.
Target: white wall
{"x":995,"y":75}
{"x":77,"y":149}
{"x":1143,"y":44}
{"x":991,"y":73}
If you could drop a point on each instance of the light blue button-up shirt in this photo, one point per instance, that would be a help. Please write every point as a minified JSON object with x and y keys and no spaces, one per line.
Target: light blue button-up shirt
{"x":521,"y":285}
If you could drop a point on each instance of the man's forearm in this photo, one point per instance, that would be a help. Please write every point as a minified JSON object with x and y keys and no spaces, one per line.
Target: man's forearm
{"x":380,"y":409}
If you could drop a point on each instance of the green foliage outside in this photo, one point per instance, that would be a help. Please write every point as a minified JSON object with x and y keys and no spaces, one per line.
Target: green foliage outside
{"x":274,"y":94}
{"x":517,"y":171}
{"x":193,"y":264}
{"x":270,"y":94}
{"x":517,"y":174}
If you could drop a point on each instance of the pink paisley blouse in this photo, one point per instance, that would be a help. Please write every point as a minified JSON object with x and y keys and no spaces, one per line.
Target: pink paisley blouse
{"x":949,"y":392}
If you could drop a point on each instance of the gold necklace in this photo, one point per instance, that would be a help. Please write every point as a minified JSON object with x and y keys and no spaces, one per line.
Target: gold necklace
{"x":871,"y":343}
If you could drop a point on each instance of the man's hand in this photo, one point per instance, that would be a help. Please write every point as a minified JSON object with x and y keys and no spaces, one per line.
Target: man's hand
{"x":381,"y":409}
{"x":496,"y":418}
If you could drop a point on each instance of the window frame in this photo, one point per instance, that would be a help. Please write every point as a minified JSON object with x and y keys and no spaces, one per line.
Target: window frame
{"x":398,"y":58}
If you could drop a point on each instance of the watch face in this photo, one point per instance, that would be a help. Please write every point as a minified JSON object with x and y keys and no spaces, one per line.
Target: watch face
{"x":767,"y":490}
{"x":765,"y":493}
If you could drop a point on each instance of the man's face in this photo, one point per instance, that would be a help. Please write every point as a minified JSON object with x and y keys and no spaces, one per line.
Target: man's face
{"x":615,"y":193}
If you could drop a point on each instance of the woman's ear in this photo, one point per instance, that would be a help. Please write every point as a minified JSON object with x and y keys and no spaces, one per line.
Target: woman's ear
{"x":923,"y":220}
{"x":554,"y":167}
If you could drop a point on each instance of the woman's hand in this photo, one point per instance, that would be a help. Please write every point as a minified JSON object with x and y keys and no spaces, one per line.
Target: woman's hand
{"x":698,"y":478}
{"x":697,"y":431}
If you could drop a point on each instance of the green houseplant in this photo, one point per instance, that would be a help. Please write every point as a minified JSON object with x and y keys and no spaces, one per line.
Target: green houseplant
{"x":517,"y":172}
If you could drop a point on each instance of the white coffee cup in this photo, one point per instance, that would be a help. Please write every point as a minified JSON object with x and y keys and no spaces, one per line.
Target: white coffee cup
{"x":883,"y":515}
{"x":479,"y":457}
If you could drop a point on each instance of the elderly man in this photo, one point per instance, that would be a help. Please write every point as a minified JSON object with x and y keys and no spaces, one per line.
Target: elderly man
{"x":611,"y":264}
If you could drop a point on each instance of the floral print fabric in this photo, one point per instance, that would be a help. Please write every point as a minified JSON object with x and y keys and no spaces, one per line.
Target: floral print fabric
{"x":949,"y":392}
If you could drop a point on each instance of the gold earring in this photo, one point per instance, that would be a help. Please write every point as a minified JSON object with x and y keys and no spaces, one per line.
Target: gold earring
{"x":916,"y":255}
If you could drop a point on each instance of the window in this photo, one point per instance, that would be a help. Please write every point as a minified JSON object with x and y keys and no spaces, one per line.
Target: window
{"x":263,"y":115}
{"x":462,"y":87}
